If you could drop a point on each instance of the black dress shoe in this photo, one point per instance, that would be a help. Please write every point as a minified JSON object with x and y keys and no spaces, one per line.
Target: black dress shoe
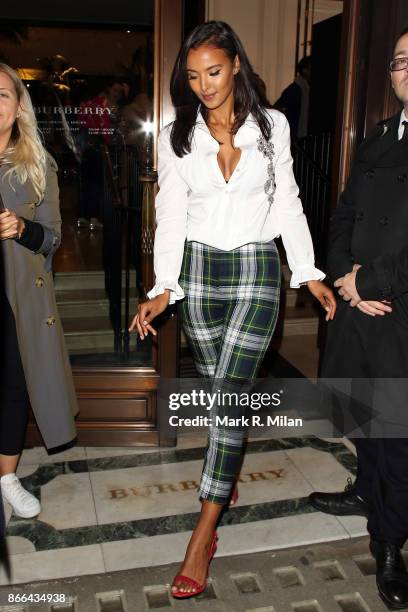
{"x":347,"y":503}
{"x":392,"y":575}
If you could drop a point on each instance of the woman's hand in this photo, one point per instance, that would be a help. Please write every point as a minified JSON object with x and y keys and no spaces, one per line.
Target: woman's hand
{"x":11,"y":225}
{"x":149,"y":311}
{"x":325,"y":296}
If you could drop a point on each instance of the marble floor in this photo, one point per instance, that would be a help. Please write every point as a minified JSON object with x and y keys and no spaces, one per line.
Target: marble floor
{"x":106,"y":509}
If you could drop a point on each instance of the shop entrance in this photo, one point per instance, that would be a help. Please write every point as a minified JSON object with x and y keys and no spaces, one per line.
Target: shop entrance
{"x":95,"y":83}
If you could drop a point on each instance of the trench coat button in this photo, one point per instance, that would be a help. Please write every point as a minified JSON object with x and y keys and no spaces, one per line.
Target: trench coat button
{"x":369,"y":174}
{"x":32,"y":206}
{"x":402,"y":178}
{"x":39,"y":281}
{"x":50,"y":321}
{"x":384,"y":220}
{"x":359,"y":215}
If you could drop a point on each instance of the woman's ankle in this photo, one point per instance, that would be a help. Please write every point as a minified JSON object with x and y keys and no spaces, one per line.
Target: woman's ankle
{"x":203,"y":533}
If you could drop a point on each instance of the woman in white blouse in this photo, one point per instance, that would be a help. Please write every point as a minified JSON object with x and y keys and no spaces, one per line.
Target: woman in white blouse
{"x":226,"y":191}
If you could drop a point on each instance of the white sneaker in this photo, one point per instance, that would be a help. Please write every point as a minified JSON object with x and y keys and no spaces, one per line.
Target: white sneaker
{"x":23,"y":503}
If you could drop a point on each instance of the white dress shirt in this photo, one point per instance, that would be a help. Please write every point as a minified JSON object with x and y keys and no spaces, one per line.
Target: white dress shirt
{"x":401,"y":127}
{"x":196,"y":203}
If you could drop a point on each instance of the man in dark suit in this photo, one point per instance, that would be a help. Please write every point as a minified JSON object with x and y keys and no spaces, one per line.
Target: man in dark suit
{"x":368,"y":340}
{"x":294,"y":100}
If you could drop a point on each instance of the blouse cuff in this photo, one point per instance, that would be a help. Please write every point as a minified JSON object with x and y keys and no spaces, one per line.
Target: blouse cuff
{"x":176,"y":292}
{"x":302,"y":275}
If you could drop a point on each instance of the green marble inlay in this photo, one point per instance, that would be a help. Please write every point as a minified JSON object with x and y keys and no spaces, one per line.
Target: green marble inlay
{"x":46,"y":537}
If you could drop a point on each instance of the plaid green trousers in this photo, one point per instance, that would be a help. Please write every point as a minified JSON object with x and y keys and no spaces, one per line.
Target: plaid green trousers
{"x":229,"y":316}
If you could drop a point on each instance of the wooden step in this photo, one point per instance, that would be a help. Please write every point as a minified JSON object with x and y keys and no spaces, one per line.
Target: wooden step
{"x":299,"y":326}
{"x":298,"y":320}
{"x":73,"y":303}
{"x":64,"y":281}
{"x":89,"y":335}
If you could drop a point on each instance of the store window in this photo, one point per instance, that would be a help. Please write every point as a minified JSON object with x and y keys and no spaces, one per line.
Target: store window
{"x":92,"y":89}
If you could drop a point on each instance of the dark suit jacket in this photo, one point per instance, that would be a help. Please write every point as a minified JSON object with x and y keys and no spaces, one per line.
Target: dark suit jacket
{"x":370,"y":224}
{"x":370,"y":228}
{"x":289,"y":104}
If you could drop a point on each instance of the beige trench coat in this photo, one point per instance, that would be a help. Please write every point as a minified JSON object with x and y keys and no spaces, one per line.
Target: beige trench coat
{"x":30,"y":291}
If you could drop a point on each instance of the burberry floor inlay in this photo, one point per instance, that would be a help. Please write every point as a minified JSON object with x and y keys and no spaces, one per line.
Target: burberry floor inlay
{"x":133,"y":503}
{"x":47,"y":472}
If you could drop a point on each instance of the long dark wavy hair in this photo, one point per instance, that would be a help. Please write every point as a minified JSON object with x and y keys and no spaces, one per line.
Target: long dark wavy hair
{"x":249,"y":89}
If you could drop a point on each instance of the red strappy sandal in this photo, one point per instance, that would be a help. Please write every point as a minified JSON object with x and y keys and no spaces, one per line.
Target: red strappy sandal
{"x":190,"y":581}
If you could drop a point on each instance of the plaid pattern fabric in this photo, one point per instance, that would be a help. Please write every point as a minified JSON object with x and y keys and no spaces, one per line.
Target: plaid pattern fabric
{"x":229,"y":315}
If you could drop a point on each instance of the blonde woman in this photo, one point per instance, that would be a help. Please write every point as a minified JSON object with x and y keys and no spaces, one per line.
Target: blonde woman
{"x":34,"y":365}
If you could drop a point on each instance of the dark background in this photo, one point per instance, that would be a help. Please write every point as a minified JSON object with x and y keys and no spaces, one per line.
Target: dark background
{"x":138,"y":12}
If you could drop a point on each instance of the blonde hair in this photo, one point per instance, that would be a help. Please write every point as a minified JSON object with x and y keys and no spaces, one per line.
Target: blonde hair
{"x":25,"y":152}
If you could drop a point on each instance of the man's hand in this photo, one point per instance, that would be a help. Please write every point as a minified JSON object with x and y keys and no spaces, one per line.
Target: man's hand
{"x":348,"y":291}
{"x":373,"y":308}
{"x":347,"y":286}
{"x":11,"y":225}
{"x":147,"y":312}
{"x":325,"y":296}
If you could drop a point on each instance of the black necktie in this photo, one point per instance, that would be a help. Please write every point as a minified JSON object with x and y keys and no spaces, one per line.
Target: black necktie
{"x":405,"y":134}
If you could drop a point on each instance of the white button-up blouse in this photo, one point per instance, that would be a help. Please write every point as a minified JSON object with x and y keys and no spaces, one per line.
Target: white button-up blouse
{"x":196,"y":203}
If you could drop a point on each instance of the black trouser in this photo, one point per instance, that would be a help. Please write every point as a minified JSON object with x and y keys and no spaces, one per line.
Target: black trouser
{"x":382,"y":480}
{"x":14,"y":400}
{"x":368,"y":349}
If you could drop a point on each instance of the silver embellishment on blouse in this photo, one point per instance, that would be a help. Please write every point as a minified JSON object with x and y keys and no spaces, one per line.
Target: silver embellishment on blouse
{"x":267,"y":149}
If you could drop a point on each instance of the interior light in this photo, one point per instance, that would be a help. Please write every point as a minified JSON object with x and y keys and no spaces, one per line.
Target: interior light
{"x":147,"y":127}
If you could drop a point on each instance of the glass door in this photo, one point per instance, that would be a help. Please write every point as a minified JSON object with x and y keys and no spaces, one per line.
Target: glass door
{"x":92,"y":88}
